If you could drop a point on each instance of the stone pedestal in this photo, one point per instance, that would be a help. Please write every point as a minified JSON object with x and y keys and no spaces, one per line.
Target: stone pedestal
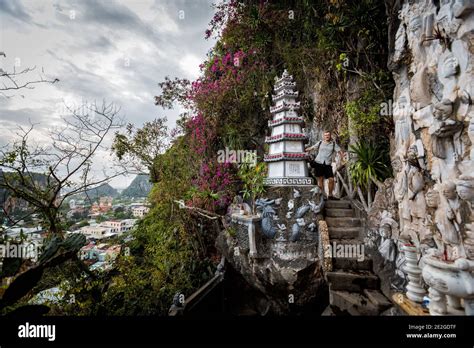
{"x":415,"y":290}
{"x":449,"y":282}
{"x":249,"y":221}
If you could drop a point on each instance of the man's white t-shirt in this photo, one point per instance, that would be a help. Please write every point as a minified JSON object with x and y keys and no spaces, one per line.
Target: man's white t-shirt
{"x":326,"y":150}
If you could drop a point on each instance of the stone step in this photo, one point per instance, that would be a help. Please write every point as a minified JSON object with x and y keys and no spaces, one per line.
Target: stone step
{"x":337,"y":204}
{"x":351,"y":263}
{"x":336,"y":212}
{"x":344,"y":232}
{"x":342,"y":222}
{"x":352,"y":303}
{"x":378,"y":299}
{"x":348,"y":280}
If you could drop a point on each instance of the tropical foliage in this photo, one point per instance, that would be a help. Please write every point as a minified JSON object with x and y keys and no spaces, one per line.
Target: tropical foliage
{"x":371,"y":163}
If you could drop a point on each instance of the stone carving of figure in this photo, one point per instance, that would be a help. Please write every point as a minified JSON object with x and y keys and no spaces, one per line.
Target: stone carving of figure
{"x":400,"y":262}
{"x":414,"y":35}
{"x":443,"y":128}
{"x":446,"y":17}
{"x":400,"y":189}
{"x":432,"y":202}
{"x":401,"y":116}
{"x":447,"y":216}
{"x":388,"y":230}
{"x":465,"y":187}
{"x":416,"y":183}
{"x":465,"y":190}
{"x":451,"y":66}
{"x":416,"y":203}
{"x":449,"y":69}
{"x":419,"y":88}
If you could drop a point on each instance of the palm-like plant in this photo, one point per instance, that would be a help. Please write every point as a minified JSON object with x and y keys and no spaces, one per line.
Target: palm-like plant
{"x":370,"y":164}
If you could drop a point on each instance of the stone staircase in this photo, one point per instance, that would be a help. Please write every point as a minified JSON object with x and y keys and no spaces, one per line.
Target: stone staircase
{"x":353,"y":287}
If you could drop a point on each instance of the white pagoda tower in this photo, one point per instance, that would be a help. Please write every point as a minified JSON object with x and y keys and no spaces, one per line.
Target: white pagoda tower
{"x":286,"y":158}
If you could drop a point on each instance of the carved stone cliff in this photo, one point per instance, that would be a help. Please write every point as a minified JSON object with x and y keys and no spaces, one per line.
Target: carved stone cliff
{"x":432,"y":204}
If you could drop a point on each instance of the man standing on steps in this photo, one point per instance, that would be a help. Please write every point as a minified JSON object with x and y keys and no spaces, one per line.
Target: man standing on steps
{"x":324,"y":152}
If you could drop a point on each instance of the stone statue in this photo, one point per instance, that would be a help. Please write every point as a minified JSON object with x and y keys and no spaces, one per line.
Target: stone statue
{"x":443,"y":128}
{"x":400,"y":189}
{"x":415,"y":181}
{"x":400,"y":279}
{"x":447,"y":218}
{"x":448,"y":68}
{"x":419,"y":88}
{"x":388,"y":230}
{"x":401,"y":116}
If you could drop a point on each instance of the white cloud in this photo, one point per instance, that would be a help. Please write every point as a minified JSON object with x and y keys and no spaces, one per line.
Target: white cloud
{"x":190,"y":65}
{"x":116,"y":50}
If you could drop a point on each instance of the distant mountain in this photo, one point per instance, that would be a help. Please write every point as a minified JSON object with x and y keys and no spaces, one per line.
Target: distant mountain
{"x":38,"y":178}
{"x":139,"y":187}
{"x":100,"y":191}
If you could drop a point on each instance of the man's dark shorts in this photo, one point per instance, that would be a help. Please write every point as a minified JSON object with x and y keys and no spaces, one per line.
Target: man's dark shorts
{"x":322,"y":170}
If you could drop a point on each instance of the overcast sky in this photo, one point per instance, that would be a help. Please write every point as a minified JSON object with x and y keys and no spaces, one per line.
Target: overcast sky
{"x":116,"y":50}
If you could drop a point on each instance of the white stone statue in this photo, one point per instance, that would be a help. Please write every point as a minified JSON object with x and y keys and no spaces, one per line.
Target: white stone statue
{"x":402,"y":112}
{"x":448,"y":219}
{"x":419,"y":88}
{"x":388,"y":230}
{"x":443,"y":128}
{"x":400,"y":189}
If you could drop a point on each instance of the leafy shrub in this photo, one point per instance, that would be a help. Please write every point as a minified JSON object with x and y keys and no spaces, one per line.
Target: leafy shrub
{"x":371,"y":163}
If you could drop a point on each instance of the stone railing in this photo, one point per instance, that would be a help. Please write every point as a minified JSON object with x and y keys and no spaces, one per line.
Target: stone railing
{"x":324,"y":247}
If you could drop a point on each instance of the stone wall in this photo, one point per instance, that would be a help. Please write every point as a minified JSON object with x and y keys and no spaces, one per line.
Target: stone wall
{"x":286,"y":267}
{"x":431,"y":203}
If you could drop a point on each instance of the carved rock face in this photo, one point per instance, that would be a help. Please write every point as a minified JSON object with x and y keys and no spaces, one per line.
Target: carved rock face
{"x":419,"y":88}
{"x":432,"y":198}
{"x":434,"y":182}
{"x":450,"y":66}
{"x":465,"y":189}
{"x":443,"y":110}
{"x":449,"y":190}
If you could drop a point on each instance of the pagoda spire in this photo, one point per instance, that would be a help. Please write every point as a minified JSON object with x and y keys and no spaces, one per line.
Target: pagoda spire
{"x":286,"y":158}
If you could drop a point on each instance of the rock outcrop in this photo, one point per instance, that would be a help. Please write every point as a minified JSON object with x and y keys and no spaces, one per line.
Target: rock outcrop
{"x":284,"y":262}
{"x":432,"y":152}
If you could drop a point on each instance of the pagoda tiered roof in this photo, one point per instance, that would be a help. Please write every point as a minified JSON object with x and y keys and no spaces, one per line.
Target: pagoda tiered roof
{"x":285,"y":107}
{"x":286,"y":136}
{"x":284,"y":78}
{"x":286,"y":120}
{"x":285,"y":85}
{"x":287,"y":156}
{"x":285,"y":93}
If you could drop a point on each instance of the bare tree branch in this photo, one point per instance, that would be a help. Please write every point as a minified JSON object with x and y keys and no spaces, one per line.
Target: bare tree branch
{"x":44,"y":176}
{"x":17,"y":80}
